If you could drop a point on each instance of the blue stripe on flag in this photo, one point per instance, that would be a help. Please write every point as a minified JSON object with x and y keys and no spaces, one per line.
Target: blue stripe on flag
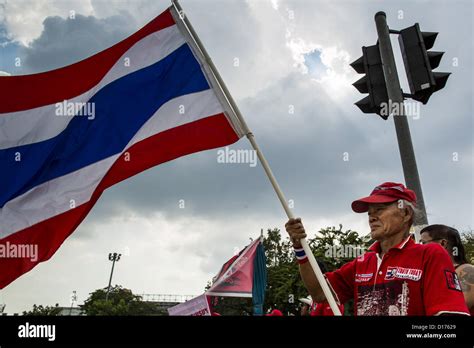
{"x":121,"y":108}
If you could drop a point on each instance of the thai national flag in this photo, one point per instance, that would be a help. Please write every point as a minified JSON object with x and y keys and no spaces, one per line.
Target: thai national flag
{"x":68,"y":134}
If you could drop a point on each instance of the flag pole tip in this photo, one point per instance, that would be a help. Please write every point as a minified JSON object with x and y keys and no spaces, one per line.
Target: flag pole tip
{"x":380,"y":13}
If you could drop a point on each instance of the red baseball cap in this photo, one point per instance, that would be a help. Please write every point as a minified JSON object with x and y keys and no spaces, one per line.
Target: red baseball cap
{"x":387,"y":192}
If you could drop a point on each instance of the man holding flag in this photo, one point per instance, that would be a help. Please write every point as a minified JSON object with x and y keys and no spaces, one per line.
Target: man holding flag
{"x":396,"y":276}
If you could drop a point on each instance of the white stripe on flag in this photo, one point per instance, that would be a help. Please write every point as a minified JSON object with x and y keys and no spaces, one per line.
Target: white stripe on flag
{"x":39,"y":124}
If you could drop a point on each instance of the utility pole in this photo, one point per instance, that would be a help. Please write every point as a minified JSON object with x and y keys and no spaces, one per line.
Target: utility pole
{"x":386,"y":96}
{"x":112,"y":257}
{"x":73,"y":300}
{"x":395,"y":95}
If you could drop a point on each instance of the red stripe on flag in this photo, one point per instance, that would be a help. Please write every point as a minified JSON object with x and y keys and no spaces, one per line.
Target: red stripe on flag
{"x":208,"y":133}
{"x":31,"y":91}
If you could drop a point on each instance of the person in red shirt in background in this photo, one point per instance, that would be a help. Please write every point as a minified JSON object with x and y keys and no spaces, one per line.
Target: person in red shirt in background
{"x":323,"y":309}
{"x":450,"y":240}
{"x":306,"y":306}
{"x":315,"y":309}
{"x":395,"y":276}
{"x":274,"y":313}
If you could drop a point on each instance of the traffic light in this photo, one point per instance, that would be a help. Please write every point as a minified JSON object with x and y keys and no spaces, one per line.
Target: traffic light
{"x":419,"y":62}
{"x":373,"y":82}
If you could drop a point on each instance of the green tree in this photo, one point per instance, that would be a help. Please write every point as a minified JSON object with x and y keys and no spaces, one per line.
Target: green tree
{"x":121,"y":301}
{"x":284,"y":285}
{"x":43,"y":310}
{"x":467,"y":239}
{"x":335,"y":247}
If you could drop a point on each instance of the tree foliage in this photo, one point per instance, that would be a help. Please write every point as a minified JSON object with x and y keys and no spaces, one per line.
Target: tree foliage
{"x":467,"y":239}
{"x":331,"y":246}
{"x":121,"y":301}
{"x":43,"y":310}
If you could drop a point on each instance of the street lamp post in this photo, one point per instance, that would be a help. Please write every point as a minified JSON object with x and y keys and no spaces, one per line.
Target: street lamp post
{"x":73,"y":300}
{"x":112,"y":257}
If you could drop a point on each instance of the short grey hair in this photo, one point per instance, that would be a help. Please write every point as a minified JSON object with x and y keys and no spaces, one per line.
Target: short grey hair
{"x":415,"y":212}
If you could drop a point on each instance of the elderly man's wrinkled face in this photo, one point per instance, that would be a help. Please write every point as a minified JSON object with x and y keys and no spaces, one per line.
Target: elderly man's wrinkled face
{"x":386,"y":220}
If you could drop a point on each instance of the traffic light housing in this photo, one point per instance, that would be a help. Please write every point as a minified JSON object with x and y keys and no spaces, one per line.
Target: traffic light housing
{"x":419,"y":62}
{"x":373,"y":82}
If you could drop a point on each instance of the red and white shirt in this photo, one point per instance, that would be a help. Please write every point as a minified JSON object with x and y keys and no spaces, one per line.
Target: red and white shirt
{"x":410,"y":279}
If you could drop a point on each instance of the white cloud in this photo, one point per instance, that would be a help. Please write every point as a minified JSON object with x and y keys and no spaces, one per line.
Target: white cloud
{"x":299,"y":48}
{"x":275,"y":4}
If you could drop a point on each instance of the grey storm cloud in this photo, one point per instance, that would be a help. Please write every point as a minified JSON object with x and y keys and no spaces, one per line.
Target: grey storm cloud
{"x":65,"y":41}
{"x":305,"y":149}
{"x":306,"y":152}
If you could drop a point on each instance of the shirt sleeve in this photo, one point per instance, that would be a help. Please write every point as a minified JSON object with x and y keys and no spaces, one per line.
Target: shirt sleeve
{"x":441,"y":288}
{"x":342,"y":281}
{"x":324,"y":309}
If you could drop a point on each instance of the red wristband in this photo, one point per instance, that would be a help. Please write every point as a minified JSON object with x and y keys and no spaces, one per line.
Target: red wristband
{"x":302,"y":261}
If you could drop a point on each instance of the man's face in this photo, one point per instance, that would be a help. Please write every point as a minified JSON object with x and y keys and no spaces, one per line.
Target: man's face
{"x":305,"y":310}
{"x":385,"y":220}
{"x":425,"y":238}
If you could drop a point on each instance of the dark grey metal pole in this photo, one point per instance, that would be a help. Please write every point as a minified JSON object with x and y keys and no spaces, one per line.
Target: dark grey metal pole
{"x":405,"y":145}
{"x":110,"y":280}
{"x":73,"y":299}
{"x":112,"y":257}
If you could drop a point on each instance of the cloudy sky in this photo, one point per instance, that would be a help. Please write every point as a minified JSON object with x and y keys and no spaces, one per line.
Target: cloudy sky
{"x":286,"y":62}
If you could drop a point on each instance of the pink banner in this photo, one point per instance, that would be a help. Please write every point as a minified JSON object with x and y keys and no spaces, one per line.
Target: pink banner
{"x":197,"y":306}
{"x":235,"y":279}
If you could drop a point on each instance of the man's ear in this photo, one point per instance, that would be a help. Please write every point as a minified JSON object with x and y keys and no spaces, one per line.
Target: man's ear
{"x":444,"y":243}
{"x":407,"y":215}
